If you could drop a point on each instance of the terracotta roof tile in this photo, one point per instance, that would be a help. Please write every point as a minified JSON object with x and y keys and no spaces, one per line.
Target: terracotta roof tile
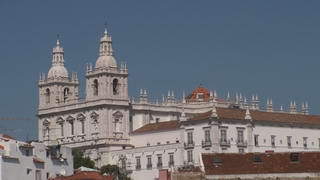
{"x":193,"y":96}
{"x":37,"y":160}
{"x":167,"y":125}
{"x":270,"y":163}
{"x":262,"y":116}
{"x":85,"y":175}
{"x":236,"y":114}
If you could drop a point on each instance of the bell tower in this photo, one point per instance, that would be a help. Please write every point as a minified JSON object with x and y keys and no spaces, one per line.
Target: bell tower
{"x":57,"y":88}
{"x":106,"y":80}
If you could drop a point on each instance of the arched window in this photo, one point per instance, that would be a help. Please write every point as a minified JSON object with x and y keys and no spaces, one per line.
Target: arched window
{"x":46,"y":129}
{"x":115,"y":87}
{"x":60,"y":121}
{"x":70,"y":119}
{"x":81,"y":118}
{"x":117,"y":116}
{"x":95,"y":87}
{"x":47,"y":95}
{"x":65,"y":94}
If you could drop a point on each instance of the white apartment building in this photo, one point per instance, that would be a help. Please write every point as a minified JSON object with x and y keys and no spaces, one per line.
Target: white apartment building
{"x":33,"y":161}
{"x":144,"y":136}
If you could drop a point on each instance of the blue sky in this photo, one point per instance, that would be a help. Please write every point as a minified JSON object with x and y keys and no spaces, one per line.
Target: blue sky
{"x":270,"y":48}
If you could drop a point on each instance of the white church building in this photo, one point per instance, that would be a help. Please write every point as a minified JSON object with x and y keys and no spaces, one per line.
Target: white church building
{"x":143,"y":136}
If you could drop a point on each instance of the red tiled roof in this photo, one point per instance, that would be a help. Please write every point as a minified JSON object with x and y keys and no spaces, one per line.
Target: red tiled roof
{"x":236,"y":163}
{"x":37,"y":160}
{"x":6,"y":136}
{"x":237,"y":114}
{"x":193,"y":96}
{"x":85,"y":175}
{"x":167,"y":125}
{"x":262,"y":116}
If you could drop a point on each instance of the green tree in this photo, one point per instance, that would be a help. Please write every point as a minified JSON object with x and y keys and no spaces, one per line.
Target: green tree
{"x":115,"y":171}
{"x":80,"y":160}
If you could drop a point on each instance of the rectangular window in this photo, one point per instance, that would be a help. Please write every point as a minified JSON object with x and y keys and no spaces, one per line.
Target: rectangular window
{"x":223,"y":133}
{"x":171,"y":159}
{"x":82,"y":127}
{"x":159,"y":164}
{"x":273,"y":141}
{"x":289,"y":141}
{"x":207,"y":135}
{"x":138,"y":163}
{"x":305,"y":142}
{"x":240,"y":136}
{"x":123,"y":164}
{"x":256,"y":140}
{"x":190,"y":138}
{"x":61,"y":126}
{"x":190,"y":156}
{"x":157,"y":120}
{"x":149,"y":162}
{"x":72,"y":128}
{"x":38,"y":175}
{"x":27,"y":152}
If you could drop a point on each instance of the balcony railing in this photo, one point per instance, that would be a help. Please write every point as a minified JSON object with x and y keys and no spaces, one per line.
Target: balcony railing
{"x":189,"y":145}
{"x":159,"y":165}
{"x":206,"y":144}
{"x":171,"y":163}
{"x":242,"y":143}
{"x":138,"y":167}
{"x":149,"y":166}
{"x":225,"y":142}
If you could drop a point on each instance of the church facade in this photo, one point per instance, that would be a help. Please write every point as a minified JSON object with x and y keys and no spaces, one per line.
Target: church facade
{"x":143,"y":136}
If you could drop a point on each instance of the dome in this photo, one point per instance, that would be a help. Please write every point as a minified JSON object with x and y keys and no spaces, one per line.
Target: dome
{"x":57,"y":71}
{"x":106,"y":61}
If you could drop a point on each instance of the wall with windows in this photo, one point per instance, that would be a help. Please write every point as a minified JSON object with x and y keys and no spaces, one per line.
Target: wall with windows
{"x":33,"y":161}
{"x":145,"y":162}
{"x":302,"y":139}
{"x":156,"y":138}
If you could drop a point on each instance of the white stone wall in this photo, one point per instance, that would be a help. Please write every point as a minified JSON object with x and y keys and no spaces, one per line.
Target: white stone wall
{"x":16,"y":166}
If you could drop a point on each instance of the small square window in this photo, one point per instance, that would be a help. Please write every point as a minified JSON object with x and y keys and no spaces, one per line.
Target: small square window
{"x":216,"y":160}
{"x":257,"y":159}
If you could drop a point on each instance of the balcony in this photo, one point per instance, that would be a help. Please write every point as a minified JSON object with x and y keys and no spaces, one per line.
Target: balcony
{"x":159,"y":165}
{"x":171,"y":163}
{"x":206,"y":144}
{"x":149,"y":166}
{"x":138,"y":167}
{"x":242,"y":143}
{"x":189,"y":145}
{"x":225,"y":142}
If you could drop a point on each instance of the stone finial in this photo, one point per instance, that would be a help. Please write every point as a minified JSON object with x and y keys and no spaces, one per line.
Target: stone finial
{"x":237,"y":98}
{"x":214,"y":113}
{"x":281,"y":108}
{"x":211,"y":95}
{"x":245,"y":103}
{"x":163,"y":99}
{"x":269,"y":105}
{"x":248,"y":115}
{"x":183,"y":97}
{"x":293,"y":107}
{"x":215,"y":94}
{"x":228,"y":96}
{"x":257,"y":102}
{"x":305,"y":108}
